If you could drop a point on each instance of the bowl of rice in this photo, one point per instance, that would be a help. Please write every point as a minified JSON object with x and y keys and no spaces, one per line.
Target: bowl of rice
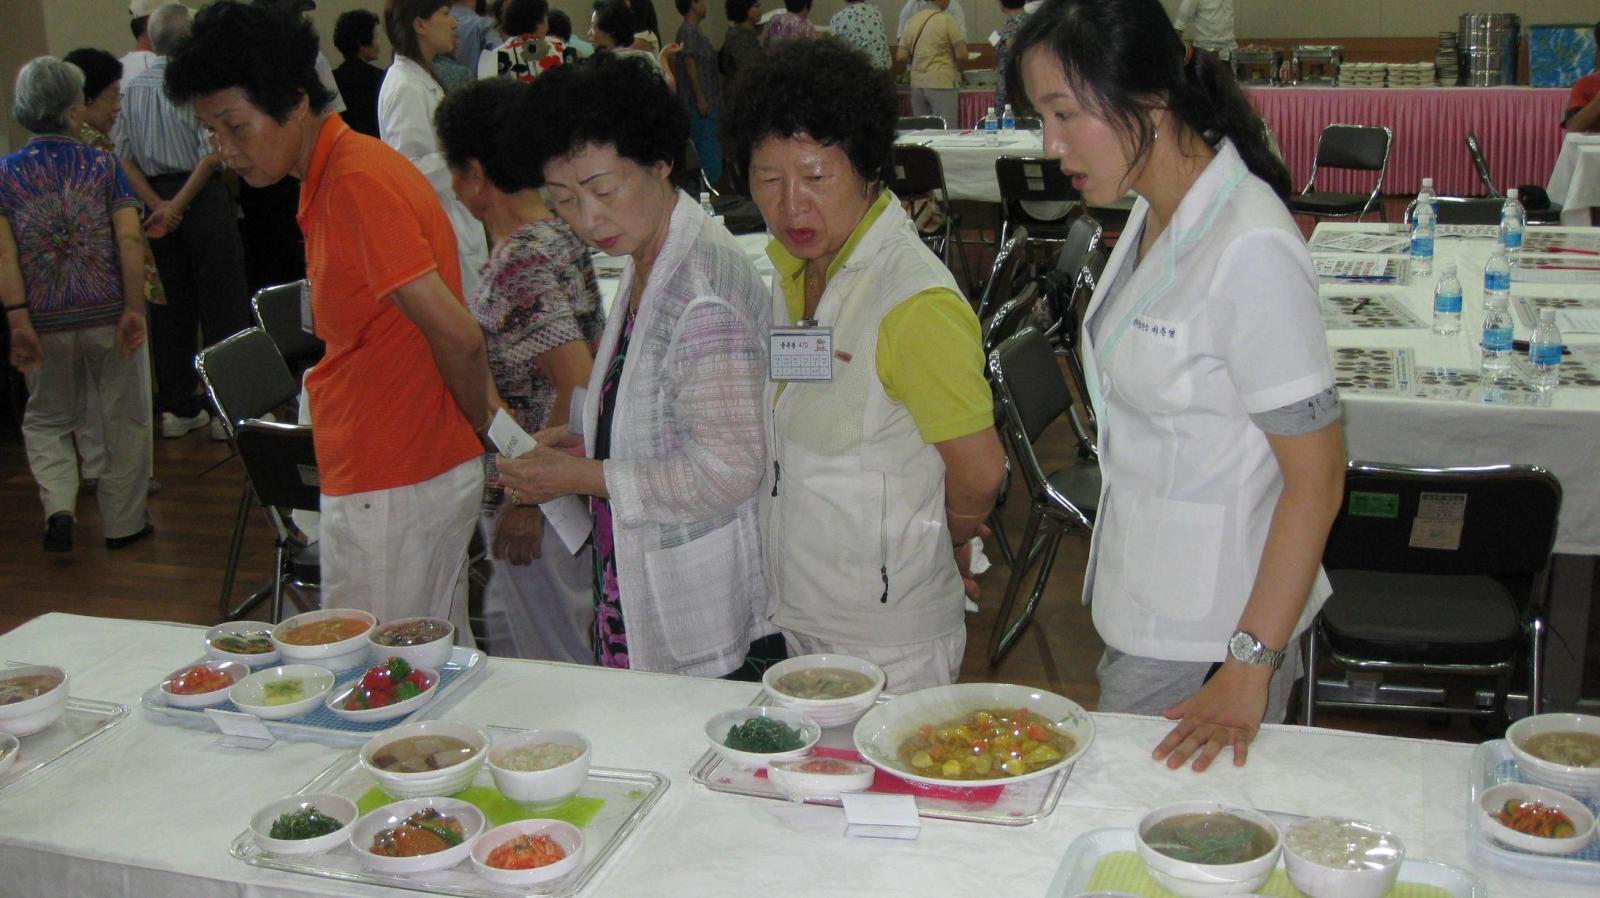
{"x":1335,"y":857}
{"x":540,"y":768}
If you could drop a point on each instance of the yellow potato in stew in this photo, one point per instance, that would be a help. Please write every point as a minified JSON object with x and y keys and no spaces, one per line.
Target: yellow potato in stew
{"x":988,"y":744}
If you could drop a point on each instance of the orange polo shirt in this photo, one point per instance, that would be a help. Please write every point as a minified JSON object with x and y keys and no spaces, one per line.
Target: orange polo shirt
{"x":382,"y":416}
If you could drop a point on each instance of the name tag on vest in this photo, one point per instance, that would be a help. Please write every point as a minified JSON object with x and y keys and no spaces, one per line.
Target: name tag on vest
{"x":800,"y":354}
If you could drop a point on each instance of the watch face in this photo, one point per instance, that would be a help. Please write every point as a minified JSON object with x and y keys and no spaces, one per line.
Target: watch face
{"x":1242,"y":646}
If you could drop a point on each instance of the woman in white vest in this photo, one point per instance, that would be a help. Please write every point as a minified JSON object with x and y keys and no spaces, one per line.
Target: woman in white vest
{"x":1221,"y":455}
{"x":890,"y":460}
{"x":672,"y":449}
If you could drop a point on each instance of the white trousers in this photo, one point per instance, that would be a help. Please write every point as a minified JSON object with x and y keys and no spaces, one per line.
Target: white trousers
{"x":73,"y":360}
{"x":402,"y":552}
{"x":907,"y":668}
{"x":543,"y":610}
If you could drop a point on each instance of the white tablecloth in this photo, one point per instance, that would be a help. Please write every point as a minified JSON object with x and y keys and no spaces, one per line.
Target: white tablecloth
{"x":1575,"y":180}
{"x":149,"y":810}
{"x":969,"y":162}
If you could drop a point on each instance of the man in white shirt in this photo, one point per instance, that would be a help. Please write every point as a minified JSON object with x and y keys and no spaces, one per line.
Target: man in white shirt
{"x":1207,"y":24}
{"x":912,"y":6}
{"x":141,"y":56}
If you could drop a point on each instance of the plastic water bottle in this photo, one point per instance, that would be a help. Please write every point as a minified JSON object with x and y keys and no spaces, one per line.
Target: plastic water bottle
{"x":1496,"y":275}
{"x":705,"y":205}
{"x":1447,"y":302}
{"x":1008,"y":120}
{"x":1544,"y":353}
{"x":1426,"y":197}
{"x":1422,"y":230}
{"x":991,"y":127}
{"x":1513,"y":222}
{"x":1497,"y":349}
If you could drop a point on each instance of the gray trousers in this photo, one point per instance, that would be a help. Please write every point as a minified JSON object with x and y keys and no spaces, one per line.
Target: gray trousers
{"x":73,"y":360}
{"x":937,"y":101}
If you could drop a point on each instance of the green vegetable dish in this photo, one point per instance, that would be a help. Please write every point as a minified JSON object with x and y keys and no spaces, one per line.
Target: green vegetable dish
{"x":763,"y":735}
{"x":306,"y":823}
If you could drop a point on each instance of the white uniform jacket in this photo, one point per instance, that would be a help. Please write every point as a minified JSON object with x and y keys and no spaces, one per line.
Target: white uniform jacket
{"x":1221,"y":321}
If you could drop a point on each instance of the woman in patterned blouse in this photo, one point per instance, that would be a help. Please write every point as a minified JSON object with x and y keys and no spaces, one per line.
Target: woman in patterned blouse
{"x":860,"y":25}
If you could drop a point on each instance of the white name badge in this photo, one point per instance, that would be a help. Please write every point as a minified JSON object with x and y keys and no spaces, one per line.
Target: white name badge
{"x":801,"y":353}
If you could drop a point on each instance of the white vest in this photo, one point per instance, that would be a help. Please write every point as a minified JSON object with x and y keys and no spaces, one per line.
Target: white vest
{"x":856,"y":544}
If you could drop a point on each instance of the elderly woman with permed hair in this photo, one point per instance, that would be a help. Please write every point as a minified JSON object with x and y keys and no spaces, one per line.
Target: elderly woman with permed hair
{"x":672,"y":449}
{"x":882,"y":473}
{"x":72,"y":283}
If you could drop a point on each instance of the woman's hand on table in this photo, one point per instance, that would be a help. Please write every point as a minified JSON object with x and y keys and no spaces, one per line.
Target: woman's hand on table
{"x":517,"y":532}
{"x":1225,"y":712}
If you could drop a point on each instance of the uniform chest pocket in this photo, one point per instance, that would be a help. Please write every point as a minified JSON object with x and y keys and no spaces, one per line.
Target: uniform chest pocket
{"x":1154,"y":367}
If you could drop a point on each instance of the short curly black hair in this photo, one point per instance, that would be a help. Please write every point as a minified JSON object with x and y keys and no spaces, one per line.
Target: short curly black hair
{"x":353,"y":30}
{"x":100,"y":70}
{"x":523,"y":16}
{"x":468,"y":122}
{"x":621,"y":102}
{"x":615,"y":18}
{"x":738,"y":10}
{"x":267,"y":52}
{"x":824,"y":89}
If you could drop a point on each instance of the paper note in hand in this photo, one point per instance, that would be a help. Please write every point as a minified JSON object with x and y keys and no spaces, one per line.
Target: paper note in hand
{"x":568,"y":514}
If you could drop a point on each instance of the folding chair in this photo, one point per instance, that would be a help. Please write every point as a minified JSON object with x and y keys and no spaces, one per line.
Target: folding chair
{"x":908,"y":123}
{"x":1033,"y":395}
{"x":1355,"y":147}
{"x":1009,"y":317}
{"x":1034,"y":192}
{"x":1439,"y":585}
{"x":246,"y":378}
{"x":281,"y":466}
{"x":1549,"y":214}
{"x":1011,"y":270}
{"x":277,"y":311}
{"x":918,"y":174}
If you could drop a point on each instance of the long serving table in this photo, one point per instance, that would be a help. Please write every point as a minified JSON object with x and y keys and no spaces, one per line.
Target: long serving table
{"x":1413,"y":423}
{"x":1575,"y":179}
{"x":150,"y":809}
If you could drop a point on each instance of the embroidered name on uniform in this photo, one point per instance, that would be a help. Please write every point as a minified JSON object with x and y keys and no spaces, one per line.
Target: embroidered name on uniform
{"x":1155,"y":330}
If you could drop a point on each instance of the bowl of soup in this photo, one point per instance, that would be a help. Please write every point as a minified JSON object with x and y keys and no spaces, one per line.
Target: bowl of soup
{"x":1197,"y":849}
{"x":246,"y":641}
{"x":335,"y":638}
{"x":421,"y":641}
{"x":540,"y":768}
{"x":833,"y":690}
{"x":1559,"y":750}
{"x":429,"y":757}
{"x":1336,"y":857}
{"x":32,"y":697}
{"x":416,"y":835}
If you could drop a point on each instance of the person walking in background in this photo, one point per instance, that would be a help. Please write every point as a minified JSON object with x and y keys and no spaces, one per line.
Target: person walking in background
{"x":860,"y":25}
{"x":741,"y":45}
{"x":1015,"y":13}
{"x":912,"y":7}
{"x":72,"y":286}
{"x":793,"y":22}
{"x":933,"y":47}
{"x":700,"y":86}
{"x":355,"y":34}
{"x":141,"y":57}
{"x":1207,"y":24}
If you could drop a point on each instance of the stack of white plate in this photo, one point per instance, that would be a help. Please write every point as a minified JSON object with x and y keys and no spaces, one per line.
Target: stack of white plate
{"x":1362,"y":74}
{"x":1411,"y":74}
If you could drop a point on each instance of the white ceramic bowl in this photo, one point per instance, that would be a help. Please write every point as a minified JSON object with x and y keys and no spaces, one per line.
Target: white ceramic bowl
{"x":250,"y":695}
{"x":27,"y":717}
{"x":1581,"y":781}
{"x":826,"y":712}
{"x":391,"y":815}
{"x":444,"y":781}
{"x":1188,"y":879}
{"x":880,"y":732}
{"x":562,"y":833}
{"x":542,"y":788}
{"x":336,"y":698}
{"x":432,"y":655}
{"x":336,"y":806}
{"x":337,"y":656}
{"x":718,"y":726}
{"x":793,"y":778}
{"x":1495,"y":798}
{"x":10,"y":750}
{"x":234,"y":670}
{"x":1366,"y":866}
{"x":259,"y":659}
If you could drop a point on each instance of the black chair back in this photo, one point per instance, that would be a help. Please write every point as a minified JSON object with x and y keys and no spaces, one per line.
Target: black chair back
{"x":245,"y":376}
{"x":917,"y":171}
{"x":920,"y":123}
{"x":1030,"y":383}
{"x":1481,"y":164}
{"x":1359,"y":147}
{"x":1026,"y":178}
{"x":277,"y":311}
{"x":281,"y":463}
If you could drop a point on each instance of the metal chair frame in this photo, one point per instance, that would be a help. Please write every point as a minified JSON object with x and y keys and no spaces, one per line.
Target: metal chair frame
{"x":1338,"y":157}
{"x":919,"y":173}
{"x":281,"y":466}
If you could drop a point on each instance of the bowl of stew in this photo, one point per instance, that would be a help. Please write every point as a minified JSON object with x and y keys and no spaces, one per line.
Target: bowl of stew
{"x":32,"y":697}
{"x":335,"y":638}
{"x":1559,"y":750}
{"x":1197,"y":849}
{"x":429,"y":757}
{"x":416,"y":835}
{"x":833,"y":690}
{"x":421,"y":641}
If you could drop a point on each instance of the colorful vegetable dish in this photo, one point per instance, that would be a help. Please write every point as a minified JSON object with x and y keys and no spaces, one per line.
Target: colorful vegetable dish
{"x":283,"y":692}
{"x":198,"y":680}
{"x":526,"y":852}
{"x":387,"y":683}
{"x":1536,"y":819}
{"x":984,"y":745}
{"x":20,"y":689}
{"x":428,"y":831}
{"x":763,"y":735}
{"x":306,"y":823}
{"x":412,"y":632}
{"x":245,"y":642}
{"x":325,"y":631}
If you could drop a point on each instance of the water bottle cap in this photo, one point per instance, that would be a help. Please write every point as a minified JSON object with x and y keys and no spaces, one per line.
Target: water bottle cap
{"x":1547,"y":316}
{"x":991,"y":110}
{"x":1427,"y":182}
{"x":1447,"y":270}
{"x":1511,"y":193}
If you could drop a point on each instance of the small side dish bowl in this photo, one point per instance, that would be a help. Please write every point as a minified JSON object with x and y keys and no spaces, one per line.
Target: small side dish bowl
{"x":718,"y":726}
{"x":224,"y":637}
{"x":234,"y":671}
{"x":336,"y":806}
{"x":10,"y":750}
{"x":30,"y":715}
{"x":545,"y":787}
{"x":1529,"y":738}
{"x":439,"y":781}
{"x":336,"y":699}
{"x":1495,"y":799}
{"x":1335,"y":857}
{"x":1204,"y":820}
{"x":392,"y":815}
{"x":820,"y":777}
{"x":564,"y":834}
{"x":336,"y":654}
{"x":250,"y":693}
{"x":816,"y":675}
{"x":421,"y":641}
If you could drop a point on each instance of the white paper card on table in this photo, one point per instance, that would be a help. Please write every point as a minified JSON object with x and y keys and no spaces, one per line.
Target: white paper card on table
{"x":800,"y":353}
{"x":241,"y":730}
{"x":568,"y":514}
{"x":878,"y":816}
{"x":1361,"y":243}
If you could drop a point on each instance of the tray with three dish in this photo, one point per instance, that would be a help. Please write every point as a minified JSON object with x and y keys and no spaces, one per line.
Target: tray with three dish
{"x":977,"y":752}
{"x":1535,"y":795}
{"x":448,"y":808}
{"x":334,"y":675}
{"x":41,"y":722}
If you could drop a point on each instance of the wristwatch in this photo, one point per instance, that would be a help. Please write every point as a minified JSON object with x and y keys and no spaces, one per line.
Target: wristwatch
{"x":1245,"y":647}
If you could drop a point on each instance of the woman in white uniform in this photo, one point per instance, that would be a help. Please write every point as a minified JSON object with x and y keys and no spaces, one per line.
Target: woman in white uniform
{"x":1220,"y":450}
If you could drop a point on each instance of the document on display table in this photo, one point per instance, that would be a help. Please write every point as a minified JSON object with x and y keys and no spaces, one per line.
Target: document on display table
{"x":568,"y":514}
{"x":1578,"y":321}
{"x":1362,"y":243}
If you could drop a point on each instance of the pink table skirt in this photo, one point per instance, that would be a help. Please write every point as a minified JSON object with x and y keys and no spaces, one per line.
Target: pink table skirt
{"x":970,"y":105}
{"x":1519,"y":129}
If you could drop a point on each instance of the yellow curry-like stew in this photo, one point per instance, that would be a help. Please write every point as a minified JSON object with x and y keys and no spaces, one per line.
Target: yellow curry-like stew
{"x":987,"y":744}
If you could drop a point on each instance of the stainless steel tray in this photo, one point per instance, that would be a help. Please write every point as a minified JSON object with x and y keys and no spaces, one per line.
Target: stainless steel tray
{"x":322,"y":725}
{"x":1019,"y":804}
{"x":1493,"y":764}
{"x":82,"y":722}
{"x":629,"y":795}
